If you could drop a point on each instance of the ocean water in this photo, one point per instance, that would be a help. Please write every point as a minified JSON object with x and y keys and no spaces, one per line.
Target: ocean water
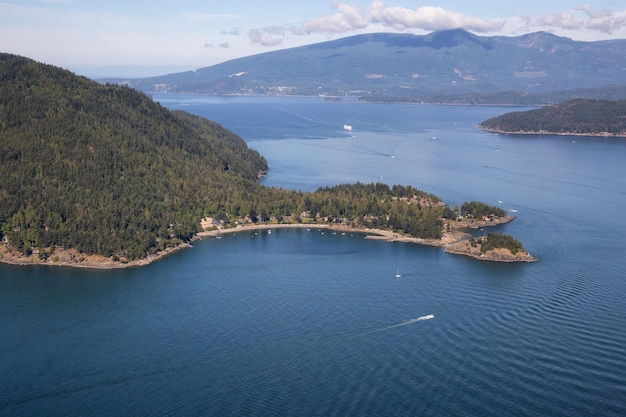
{"x":316,"y":323}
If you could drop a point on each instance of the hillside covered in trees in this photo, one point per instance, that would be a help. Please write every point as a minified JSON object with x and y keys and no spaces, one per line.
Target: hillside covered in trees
{"x":574,"y":117}
{"x":104,"y":170}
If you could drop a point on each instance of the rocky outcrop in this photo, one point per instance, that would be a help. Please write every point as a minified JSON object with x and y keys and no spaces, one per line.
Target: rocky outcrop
{"x":465,"y":247}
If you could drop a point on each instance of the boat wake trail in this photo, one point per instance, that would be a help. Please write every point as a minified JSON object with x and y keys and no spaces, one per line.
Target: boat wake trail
{"x":407,"y":322}
{"x":427,"y":317}
{"x":313,"y":347}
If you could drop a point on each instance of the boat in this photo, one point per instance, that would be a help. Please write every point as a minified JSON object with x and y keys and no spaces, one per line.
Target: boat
{"x":347,"y":127}
{"x":398,"y":274}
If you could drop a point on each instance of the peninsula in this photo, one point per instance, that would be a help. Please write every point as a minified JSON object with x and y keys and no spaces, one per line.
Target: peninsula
{"x":579,"y":117}
{"x":453,"y":240}
{"x":101,"y":176}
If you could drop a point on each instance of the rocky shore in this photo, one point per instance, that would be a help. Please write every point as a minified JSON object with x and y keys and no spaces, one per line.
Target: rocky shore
{"x":464,"y":247}
{"x":546,"y":132}
{"x":72,"y":258}
{"x":454,"y":240}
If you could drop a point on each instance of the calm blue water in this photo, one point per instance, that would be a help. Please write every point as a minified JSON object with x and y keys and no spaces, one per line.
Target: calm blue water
{"x":301,"y":322}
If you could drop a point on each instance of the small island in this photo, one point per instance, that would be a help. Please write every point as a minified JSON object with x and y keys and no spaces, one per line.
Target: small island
{"x":579,"y":117}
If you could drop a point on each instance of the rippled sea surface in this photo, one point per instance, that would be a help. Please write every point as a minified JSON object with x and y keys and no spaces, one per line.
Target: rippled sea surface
{"x":311,"y":322}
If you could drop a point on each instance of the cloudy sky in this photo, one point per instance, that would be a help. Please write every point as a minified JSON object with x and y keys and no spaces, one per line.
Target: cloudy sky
{"x":148,"y":37}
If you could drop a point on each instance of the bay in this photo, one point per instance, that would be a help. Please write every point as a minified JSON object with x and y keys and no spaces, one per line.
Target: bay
{"x":311,"y":322}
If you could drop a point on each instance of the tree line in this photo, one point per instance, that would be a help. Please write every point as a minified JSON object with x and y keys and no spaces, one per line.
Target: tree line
{"x":106,"y":170}
{"x":498,"y":240}
{"x":579,"y":116}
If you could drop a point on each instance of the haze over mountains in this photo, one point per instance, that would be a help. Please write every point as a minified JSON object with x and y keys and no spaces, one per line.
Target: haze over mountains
{"x":452,"y":62}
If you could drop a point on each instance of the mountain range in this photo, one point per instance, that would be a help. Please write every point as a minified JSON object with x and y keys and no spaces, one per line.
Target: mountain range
{"x":451,"y":62}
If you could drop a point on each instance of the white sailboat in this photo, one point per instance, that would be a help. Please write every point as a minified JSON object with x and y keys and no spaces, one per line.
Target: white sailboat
{"x":398,"y":274}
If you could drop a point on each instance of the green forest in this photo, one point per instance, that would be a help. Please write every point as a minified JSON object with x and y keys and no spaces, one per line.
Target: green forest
{"x":106,"y":170}
{"x":497,"y":240}
{"x":506,"y":98}
{"x":579,"y":116}
{"x":103,"y":168}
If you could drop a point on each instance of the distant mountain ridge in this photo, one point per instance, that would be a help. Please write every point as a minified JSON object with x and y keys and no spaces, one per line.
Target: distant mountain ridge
{"x":452,"y":62}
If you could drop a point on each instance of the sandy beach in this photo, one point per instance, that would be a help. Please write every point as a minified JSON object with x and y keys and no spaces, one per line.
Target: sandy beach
{"x":376,"y":234}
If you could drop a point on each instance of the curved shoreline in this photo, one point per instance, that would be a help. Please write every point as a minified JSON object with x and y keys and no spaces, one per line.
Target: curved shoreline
{"x":545,"y":133}
{"x":74,"y":259}
{"x":374,"y":234}
{"x":495,"y":255}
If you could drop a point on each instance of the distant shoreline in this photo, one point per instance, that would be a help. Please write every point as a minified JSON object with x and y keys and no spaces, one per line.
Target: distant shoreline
{"x":72,"y":258}
{"x":545,"y":133}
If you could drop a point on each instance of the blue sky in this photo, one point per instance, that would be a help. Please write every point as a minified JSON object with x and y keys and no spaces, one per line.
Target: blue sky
{"x":148,"y":37}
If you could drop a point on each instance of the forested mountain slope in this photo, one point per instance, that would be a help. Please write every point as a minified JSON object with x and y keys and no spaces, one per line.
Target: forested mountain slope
{"x":574,"y":117}
{"x":407,"y":67}
{"x":104,"y":169}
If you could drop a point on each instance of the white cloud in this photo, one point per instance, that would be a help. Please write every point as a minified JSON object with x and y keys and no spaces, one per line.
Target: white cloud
{"x":565,"y":20}
{"x":583,"y":18}
{"x":352,"y":18}
{"x":427,"y":18}
{"x":233,"y":32}
{"x":346,"y":19}
{"x":268,"y":36}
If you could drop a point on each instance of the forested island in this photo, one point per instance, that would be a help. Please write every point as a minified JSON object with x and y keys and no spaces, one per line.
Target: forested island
{"x":583,"y":117}
{"x":102,"y":176}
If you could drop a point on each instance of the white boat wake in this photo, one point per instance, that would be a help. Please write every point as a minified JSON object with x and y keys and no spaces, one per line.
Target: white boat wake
{"x":426,"y":317}
{"x":411,"y":321}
